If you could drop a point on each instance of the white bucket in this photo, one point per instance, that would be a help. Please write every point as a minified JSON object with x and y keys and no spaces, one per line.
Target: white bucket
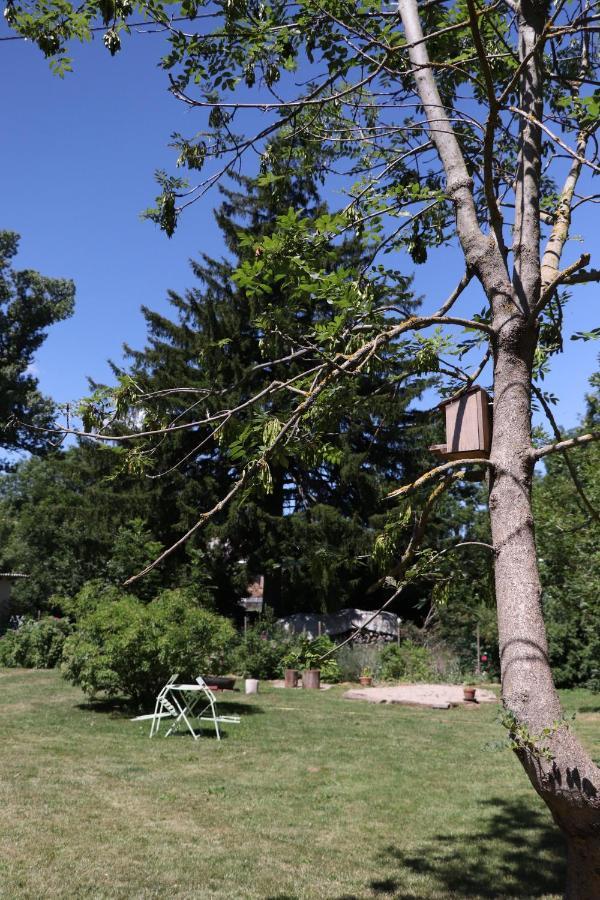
{"x":252,"y":685}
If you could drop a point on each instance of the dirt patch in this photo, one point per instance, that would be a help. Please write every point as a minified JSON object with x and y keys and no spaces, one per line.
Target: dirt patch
{"x":435,"y":696}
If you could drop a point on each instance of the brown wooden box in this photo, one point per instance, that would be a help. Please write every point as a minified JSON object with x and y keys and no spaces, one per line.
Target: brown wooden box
{"x":468,"y":432}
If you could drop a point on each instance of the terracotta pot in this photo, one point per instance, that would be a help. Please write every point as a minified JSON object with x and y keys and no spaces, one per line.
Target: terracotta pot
{"x":311,"y":678}
{"x":469,"y":694}
{"x":366,"y":680}
{"x":291,"y":678}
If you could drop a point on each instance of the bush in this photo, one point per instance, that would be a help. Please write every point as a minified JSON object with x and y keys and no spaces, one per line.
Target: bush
{"x":353,"y":659}
{"x":130,"y":649}
{"x":407,"y":661}
{"x":35,"y":644}
{"x":305,"y":653}
{"x":260,"y":652}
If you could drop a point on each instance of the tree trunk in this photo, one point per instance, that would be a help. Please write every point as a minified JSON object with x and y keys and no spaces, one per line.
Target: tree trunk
{"x":560,"y":770}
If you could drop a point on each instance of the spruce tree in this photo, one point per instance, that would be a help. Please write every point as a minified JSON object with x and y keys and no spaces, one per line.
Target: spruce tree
{"x":310,"y":530}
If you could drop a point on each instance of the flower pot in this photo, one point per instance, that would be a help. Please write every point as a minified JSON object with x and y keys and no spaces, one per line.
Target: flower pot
{"x":251,"y":685}
{"x":291,"y":678}
{"x":311,"y":678}
{"x":469,"y":694}
{"x":366,"y":680}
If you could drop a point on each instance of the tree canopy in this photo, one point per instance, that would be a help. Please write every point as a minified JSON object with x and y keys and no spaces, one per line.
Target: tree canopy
{"x":29,"y":304}
{"x":461,"y":123}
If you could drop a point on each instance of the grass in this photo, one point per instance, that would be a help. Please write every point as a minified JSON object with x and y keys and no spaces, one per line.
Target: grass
{"x":311,"y":796}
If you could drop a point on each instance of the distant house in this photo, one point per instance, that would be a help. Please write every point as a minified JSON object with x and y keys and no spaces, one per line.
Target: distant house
{"x":375,"y":628}
{"x":7,"y":580}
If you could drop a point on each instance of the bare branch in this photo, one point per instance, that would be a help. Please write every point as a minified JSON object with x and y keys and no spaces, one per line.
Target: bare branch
{"x":580,"y":441}
{"x":201,"y":521}
{"x":583,"y":277}
{"x":433,"y":473}
{"x":459,"y":184}
{"x":496,"y":220}
{"x":548,"y":291}
{"x":449,"y":303}
{"x":572,"y":470}
{"x":573,"y":153}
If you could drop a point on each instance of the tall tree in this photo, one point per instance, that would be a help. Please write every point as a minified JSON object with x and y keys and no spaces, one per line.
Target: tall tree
{"x":29,"y":304}
{"x":463,"y":122}
{"x":308,"y":528}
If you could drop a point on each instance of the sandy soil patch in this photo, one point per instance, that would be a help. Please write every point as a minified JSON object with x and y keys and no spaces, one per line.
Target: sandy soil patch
{"x":435,"y":696}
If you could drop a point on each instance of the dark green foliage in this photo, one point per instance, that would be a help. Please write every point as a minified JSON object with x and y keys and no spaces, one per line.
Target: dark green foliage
{"x":307,"y":524}
{"x":260,"y":651}
{"x":307,"y":653}
{"x":29,"y":304}
{"x":124,"y":648}
{"x":407,"y":661}
{"x":66,"y":517}
{"x":133,"y":547}
{"x":36,"y":644}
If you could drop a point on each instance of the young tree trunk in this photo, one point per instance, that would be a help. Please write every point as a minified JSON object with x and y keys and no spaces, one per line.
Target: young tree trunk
{"x":560,"y":770}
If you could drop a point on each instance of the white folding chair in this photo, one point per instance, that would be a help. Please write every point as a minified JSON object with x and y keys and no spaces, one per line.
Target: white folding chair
{"x":179,"y":702}
{"x":213,"y":717}
{"x":163,"y":708}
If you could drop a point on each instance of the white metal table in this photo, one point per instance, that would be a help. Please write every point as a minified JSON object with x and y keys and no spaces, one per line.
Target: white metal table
{"x":180,"y":701}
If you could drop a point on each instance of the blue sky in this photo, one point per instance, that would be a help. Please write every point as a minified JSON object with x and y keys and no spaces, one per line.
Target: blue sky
{"x":78,"y":157}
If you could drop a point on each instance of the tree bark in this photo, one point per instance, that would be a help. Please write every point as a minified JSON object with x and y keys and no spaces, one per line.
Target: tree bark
{"x":559,"y":768}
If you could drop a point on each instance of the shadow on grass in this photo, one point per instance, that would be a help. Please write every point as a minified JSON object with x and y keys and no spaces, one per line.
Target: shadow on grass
{"x":119,"y":708}
{"x":116,"y":707}
{"x":517,"y":852}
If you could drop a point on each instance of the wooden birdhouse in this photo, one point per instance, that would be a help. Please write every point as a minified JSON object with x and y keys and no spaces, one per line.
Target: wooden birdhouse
{"x":468,"y":426}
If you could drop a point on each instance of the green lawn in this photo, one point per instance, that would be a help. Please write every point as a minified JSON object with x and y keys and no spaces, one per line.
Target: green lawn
{"x":311,"y":796}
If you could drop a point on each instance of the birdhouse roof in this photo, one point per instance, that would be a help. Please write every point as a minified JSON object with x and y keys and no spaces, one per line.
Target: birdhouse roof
{"x":472,"y":390}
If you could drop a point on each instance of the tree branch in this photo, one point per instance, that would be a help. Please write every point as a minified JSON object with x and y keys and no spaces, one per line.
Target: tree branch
{"x":496,"y":220}
{"x":573,"y":153}
{"x":580,"y":441}
{"x":407,"y":557}
{"x":568,"y":462}
{"x":459,"y":184}
{"x":433,"y":473}
{"x":583,"y":277}
{"x":548,"y":291}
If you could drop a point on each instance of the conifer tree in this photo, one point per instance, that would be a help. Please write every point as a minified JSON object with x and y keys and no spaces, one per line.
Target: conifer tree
{"x":311,"y":526}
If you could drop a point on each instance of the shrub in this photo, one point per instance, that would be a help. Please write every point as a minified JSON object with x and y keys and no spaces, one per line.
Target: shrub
{"x":407,"y":661}
{"x":354,"y":658}
{"x":127,"y":648}
{"x":94,"y":593}
{"x":260,"y":652}
{"x":35,"y":644}
{"x":305,"y":653}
